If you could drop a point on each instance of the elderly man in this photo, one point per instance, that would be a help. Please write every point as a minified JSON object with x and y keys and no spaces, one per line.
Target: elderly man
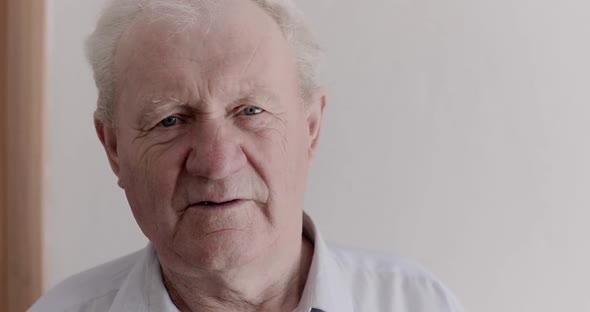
{"x":210,"y":113}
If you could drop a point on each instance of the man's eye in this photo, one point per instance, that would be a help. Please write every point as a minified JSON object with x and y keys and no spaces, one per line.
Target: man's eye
{"x":169,"y":122}
{"x":251,"y":110}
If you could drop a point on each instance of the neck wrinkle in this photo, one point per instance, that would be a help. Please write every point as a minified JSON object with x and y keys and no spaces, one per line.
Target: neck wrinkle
{"x":283,"y":292}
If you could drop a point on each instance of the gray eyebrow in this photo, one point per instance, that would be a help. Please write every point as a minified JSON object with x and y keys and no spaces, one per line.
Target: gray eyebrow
{"x":259,"y":93}
{"x":155,"y":105}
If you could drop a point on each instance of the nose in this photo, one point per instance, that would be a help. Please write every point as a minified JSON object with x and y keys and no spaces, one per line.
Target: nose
{"x":216,"y":152}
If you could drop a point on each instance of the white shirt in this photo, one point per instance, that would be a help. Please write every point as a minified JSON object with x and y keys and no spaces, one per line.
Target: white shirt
{"x":339,"y":280}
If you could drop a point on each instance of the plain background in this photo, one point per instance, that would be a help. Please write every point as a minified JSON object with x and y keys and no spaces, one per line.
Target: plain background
{"x":456,"y":134}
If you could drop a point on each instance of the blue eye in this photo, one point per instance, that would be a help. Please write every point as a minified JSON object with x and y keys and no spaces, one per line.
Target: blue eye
{"x":169,"y":122}
{"x":252,"y":110}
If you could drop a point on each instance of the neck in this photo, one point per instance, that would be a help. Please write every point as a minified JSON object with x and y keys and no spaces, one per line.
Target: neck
{"x":268,"y":284}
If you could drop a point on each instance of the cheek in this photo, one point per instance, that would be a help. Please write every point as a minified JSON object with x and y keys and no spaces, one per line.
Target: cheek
{"x":298,"y":157}
{"x":149,"y":174}
{"x":155,"y":166}
{"x":278,"y":154}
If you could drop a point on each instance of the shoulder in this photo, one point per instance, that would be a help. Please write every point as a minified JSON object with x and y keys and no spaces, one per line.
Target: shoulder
{"x":393,"y":282}
{"x":359,"y":261}
{"x":94,"y":288}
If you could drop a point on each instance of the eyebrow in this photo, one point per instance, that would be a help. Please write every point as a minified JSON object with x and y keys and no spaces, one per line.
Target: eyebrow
{"x":154,"y":106}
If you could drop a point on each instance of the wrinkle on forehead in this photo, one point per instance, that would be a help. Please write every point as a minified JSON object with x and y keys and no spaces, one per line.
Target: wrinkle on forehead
{"x":183,"y":13}
{"x":252,"y":56}
{"x":164,"y":37}
{"x":205,"y":15}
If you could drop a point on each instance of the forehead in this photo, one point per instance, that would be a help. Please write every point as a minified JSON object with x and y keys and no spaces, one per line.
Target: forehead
{"x":236,"y":42}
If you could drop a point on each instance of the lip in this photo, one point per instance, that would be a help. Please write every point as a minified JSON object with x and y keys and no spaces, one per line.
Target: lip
{"x":224,"y":205}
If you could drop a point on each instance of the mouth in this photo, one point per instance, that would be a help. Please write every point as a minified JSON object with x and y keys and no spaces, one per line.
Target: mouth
{"x":218,"y":205}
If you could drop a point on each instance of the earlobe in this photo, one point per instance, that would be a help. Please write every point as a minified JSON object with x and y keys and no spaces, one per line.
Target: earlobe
{"x":107,"y":136}
{"x":314,"y":119}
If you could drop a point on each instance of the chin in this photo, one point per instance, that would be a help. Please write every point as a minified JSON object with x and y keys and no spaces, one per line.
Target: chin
{"x":221,"y":251}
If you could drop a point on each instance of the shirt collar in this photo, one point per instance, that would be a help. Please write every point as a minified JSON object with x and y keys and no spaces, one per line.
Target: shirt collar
{"x":144,"y":289}
{"x":325,"y":278}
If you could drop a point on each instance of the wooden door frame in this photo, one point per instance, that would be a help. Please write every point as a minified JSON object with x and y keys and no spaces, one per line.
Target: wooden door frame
{"x":22,"y":98}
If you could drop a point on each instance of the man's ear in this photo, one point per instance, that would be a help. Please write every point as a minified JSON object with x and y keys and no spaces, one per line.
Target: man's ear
{"x":108,"y":138}
{"x":315,"y":113}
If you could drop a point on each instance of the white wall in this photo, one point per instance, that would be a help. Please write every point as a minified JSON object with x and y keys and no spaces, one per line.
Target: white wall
{"x":87,"y":220}
{"x":455,"y":135}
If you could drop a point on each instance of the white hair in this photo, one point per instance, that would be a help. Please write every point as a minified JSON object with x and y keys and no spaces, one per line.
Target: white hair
{"x":120,"y":14}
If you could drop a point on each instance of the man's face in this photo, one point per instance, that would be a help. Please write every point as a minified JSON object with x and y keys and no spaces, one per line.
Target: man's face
{"x":206,"y":114}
